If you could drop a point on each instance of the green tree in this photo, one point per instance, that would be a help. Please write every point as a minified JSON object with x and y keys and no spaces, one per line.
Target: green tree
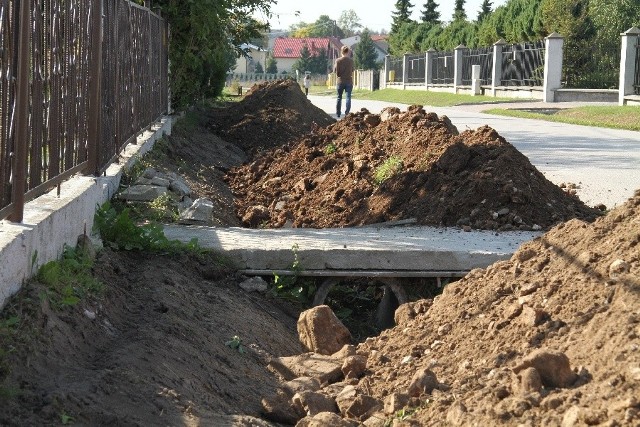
{"x":485,"y":10}
{"x":364,"y":54}
{"x":258,"y":68}
{"x":324,"y":26}
{"x":349,"y":22}
{"x":272,"y":65}
{"x":401,"y":14}
{"x":204,"y":39}
{"x":320,"y":62}
{"x":458,"y":11}
{"x":303,"y":63}
{"x":430,"y":12}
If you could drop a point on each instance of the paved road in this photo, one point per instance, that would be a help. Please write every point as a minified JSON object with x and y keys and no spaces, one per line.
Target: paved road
{"x":604,"y":162}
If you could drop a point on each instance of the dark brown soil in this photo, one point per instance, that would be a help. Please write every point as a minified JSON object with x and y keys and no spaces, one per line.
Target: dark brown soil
{"x":152,"y":350}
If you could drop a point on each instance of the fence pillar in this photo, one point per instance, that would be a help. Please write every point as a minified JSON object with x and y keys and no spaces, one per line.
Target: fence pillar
{"x":475,"y":80}
{"x":428,"y":71}
{"x":457,"y":64}
{"x":552,"y":66}
{"x":628,"y":53}
{"x":385,"y":77}
{"x":405,"y":70}
{"x":496,"y":73}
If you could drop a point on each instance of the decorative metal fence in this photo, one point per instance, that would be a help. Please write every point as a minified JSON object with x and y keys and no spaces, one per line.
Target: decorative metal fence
{"x":482,"y":57}
{"x":442,"y":68}
{"x":416,"y":69}
{"x":64,"y":108}
{"x":636,"y":78}
{"x":523,"y":64}
{"x":395,"y":70}
{"x":588,"y":65}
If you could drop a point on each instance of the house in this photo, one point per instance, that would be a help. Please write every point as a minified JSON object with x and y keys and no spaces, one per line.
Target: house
{"x":379,"y":41}
{"x":255,"y":55}
{"x":286,"y":50}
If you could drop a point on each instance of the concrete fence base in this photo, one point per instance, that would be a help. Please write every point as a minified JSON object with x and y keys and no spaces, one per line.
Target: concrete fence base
{"x":51,"y":222}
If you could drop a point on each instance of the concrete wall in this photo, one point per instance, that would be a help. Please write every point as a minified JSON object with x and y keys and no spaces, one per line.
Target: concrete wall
{"x":51,"y":222}
{"x":586,"y":95}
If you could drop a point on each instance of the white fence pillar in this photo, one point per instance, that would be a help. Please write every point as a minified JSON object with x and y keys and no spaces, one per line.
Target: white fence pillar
{"x":552,"y":66}
{"x":496,"y":72}
{"x":428,"y":71}
{"x":457,"y":71}
{"x":385,"y":76}
{"x":405,"y":70}
{"x":630,"y":39}
{"x":475,"y":80}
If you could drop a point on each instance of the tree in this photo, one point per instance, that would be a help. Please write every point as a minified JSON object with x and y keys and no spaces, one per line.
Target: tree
{"x":272,"y":65}
{"x":364,"y":54}
{"x":320,"y":62}
{"x":349,"y":22}
{"x":303,"y":63}
{"x":324,"y":26}
{"x":485,"y":10}
{"x":258,"y":68}
{"x":430,"y":12}
{"x":458,"y":12}
{"x":205,"y":36}
{"x":401,"y":14}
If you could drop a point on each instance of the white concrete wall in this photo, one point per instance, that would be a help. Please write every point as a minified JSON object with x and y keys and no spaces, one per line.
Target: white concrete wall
{"x":51,"y":222}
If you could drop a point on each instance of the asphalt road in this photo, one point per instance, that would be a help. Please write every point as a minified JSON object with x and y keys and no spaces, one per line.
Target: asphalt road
{"x":604,"y":163}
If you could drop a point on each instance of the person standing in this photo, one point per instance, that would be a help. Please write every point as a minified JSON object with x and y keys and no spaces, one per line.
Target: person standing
{"x":307,"y":84}
{"x":344,"y":80}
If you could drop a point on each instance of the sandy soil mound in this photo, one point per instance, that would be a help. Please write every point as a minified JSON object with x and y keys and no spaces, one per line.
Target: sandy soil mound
{"x":270,"y":115}
{"x":411,"y":165}
{"x":574,"y":291}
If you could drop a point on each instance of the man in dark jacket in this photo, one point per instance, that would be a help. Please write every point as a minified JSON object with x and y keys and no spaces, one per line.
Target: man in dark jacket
{"x":344,"y":74}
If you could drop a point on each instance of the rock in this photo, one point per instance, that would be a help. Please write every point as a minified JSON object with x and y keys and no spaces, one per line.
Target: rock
{"x":617,"y":268}
{"x":321,"y":331}
{"x":372,"y":120}
{"x":255,"y":215}
{"x":198,"y":213}
{"x":377,"y":419}
{"x":279,"y":408}
{"x":160,"y":182}
{"x":85,"y":246}
{"x":346,"y":351}
{"x":528,"y":380}
{"x":354,"y":366}
{"x":324,"y":368}
{"x":525,"y":254}
{"x":302,"y":384}
{"x":389,"y":112}
{"x":423,"y":382}
{"x":142,"y":193}
{"x":314,"y":403}
{"x":457,"y":414}
{"x":552,"y":366}
{"x":179,"y":187}
{"x":325,"y":419}
{"x":149,"y":173}
{"x":362,"y":407}
{"x":254,"y":284}
{"x":533,"y":316}
{"x":345,"y":398}
{"x":408,"y":311}
{"x":394,"y":402}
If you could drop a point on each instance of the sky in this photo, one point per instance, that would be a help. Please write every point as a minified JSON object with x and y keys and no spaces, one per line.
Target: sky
{"x":373,"y":14}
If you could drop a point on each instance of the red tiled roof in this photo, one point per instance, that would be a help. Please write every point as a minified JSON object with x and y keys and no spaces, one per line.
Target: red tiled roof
{"x":377,"y":37}
{"x":291,"y":47}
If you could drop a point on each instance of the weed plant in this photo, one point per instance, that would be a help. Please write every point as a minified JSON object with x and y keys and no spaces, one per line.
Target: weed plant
{"x":387,"y":169}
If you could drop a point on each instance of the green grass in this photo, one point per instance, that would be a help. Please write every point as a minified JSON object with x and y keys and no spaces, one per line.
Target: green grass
{"x":616,"y":117}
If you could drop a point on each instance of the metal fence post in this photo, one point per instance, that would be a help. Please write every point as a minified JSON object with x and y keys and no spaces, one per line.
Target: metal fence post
{"x":20,"y":140}
{"x":95,"y":90}
{"x":552,"y":66}
{"x":628,"y":54}
{"x":457,"y":64}
{"x":496,"y":73}
{"x":385,"y":77}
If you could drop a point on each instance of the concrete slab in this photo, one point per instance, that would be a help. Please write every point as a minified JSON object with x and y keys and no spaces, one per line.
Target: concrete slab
{"x":403,"y":251}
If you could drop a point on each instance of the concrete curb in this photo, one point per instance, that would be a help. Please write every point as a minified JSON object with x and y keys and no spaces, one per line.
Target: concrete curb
{"x":51,"y":222}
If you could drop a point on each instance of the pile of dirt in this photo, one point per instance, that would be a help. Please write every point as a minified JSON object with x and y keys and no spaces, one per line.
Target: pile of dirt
{"x":575,"y":291}
{"x":414,"y":166}
{"x":157,"y":349}
{"x":271,"y":114}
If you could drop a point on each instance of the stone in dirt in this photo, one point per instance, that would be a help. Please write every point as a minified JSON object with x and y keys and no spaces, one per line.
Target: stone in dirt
{"x":321,"y":331}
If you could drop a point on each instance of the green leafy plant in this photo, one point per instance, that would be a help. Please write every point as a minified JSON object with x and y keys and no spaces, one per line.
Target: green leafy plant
{"x":69,"y":279}
{"x":236,"y":344}
{"x":65,"y":418}
{"x":293,"y":287}
{"x":163,"y":207}
{"x":330,"y":148}
{"x":387,"y":169}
